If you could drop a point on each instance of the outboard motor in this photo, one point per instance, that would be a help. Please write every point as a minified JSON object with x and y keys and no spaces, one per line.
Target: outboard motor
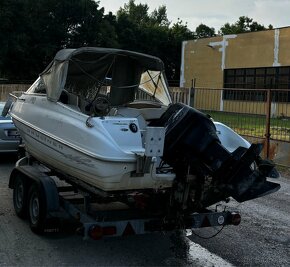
{"x":206,"y":171}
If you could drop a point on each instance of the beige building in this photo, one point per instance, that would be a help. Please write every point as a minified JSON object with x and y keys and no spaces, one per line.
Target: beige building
{"x":255,"y":60}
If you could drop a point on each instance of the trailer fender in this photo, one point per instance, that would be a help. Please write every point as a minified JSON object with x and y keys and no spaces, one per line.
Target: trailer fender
{"x":45,"y":184}
{"x":51,"y":193}
{"x":12,"y":178}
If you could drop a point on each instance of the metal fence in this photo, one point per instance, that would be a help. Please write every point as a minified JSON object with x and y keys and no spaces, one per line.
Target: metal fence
{"x":262,"y":114}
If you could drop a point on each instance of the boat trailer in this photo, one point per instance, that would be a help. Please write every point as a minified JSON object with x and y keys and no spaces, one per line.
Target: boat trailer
{"x":43,"y":197}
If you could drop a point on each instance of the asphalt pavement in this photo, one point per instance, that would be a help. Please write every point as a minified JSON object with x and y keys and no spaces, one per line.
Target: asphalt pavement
{"x":262,"y":239}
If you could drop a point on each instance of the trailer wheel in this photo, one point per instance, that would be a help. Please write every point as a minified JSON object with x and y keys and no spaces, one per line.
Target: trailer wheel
{"x":37,"y":210}
{"x":20,"y":196}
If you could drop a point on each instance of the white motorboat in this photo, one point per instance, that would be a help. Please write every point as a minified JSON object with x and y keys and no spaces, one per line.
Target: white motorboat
{"x":104,"y":118}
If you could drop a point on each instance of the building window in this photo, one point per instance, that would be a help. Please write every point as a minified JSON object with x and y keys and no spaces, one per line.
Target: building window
{"x":257,"y":78}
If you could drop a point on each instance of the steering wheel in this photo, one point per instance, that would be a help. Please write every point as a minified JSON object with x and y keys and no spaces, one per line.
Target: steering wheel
{"x":101,"y":106}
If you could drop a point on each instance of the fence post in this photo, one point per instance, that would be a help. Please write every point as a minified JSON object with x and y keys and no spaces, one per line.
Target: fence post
{"x":268,"y":123}
{"x":191,"y":93}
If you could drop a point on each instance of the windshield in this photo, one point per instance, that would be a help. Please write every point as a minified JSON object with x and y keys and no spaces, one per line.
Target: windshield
{"x":122,"y":86}
{"x":154,"y":84}
{"x":151,"y":87}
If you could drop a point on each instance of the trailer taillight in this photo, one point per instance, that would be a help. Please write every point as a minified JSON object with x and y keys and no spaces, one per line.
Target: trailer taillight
{"x":109,"y":230}
{"x":236,"y":218}
{"x":96,"y":232}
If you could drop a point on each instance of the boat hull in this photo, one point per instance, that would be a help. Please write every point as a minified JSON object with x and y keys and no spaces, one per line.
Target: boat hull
{"x":108,"y":172}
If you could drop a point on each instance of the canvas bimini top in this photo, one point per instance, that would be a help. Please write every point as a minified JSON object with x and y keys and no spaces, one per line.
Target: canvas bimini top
{"x":87,"y":69}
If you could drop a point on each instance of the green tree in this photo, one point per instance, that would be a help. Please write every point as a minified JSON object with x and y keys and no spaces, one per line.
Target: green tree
{"x":178,"y":33}
{"x":13,"y":40}
{"x":244,"y":24}
{"x":139,"y":30}
{"x":151,"y":33}
{"x":159,"y":17}
{"x":31,"y":32}
{"x":203,"y":31}
{"x":137,"y":14}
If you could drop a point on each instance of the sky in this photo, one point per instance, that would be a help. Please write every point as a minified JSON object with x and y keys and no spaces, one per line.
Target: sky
{"x":215,"y":13}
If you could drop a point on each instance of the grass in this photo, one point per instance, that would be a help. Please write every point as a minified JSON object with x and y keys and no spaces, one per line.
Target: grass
{"x":254,"y":125}
{"x":283,"y":170}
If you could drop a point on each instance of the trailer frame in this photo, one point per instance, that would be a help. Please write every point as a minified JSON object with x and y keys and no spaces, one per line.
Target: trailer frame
{"x":40,"y":195}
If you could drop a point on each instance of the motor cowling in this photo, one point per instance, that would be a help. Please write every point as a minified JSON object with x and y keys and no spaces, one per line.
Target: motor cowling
{"x":192,"y":147}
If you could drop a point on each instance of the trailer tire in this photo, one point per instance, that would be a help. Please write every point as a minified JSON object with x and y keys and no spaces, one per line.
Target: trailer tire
{"x":20,"y":196}
{"x":37,"y":209}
